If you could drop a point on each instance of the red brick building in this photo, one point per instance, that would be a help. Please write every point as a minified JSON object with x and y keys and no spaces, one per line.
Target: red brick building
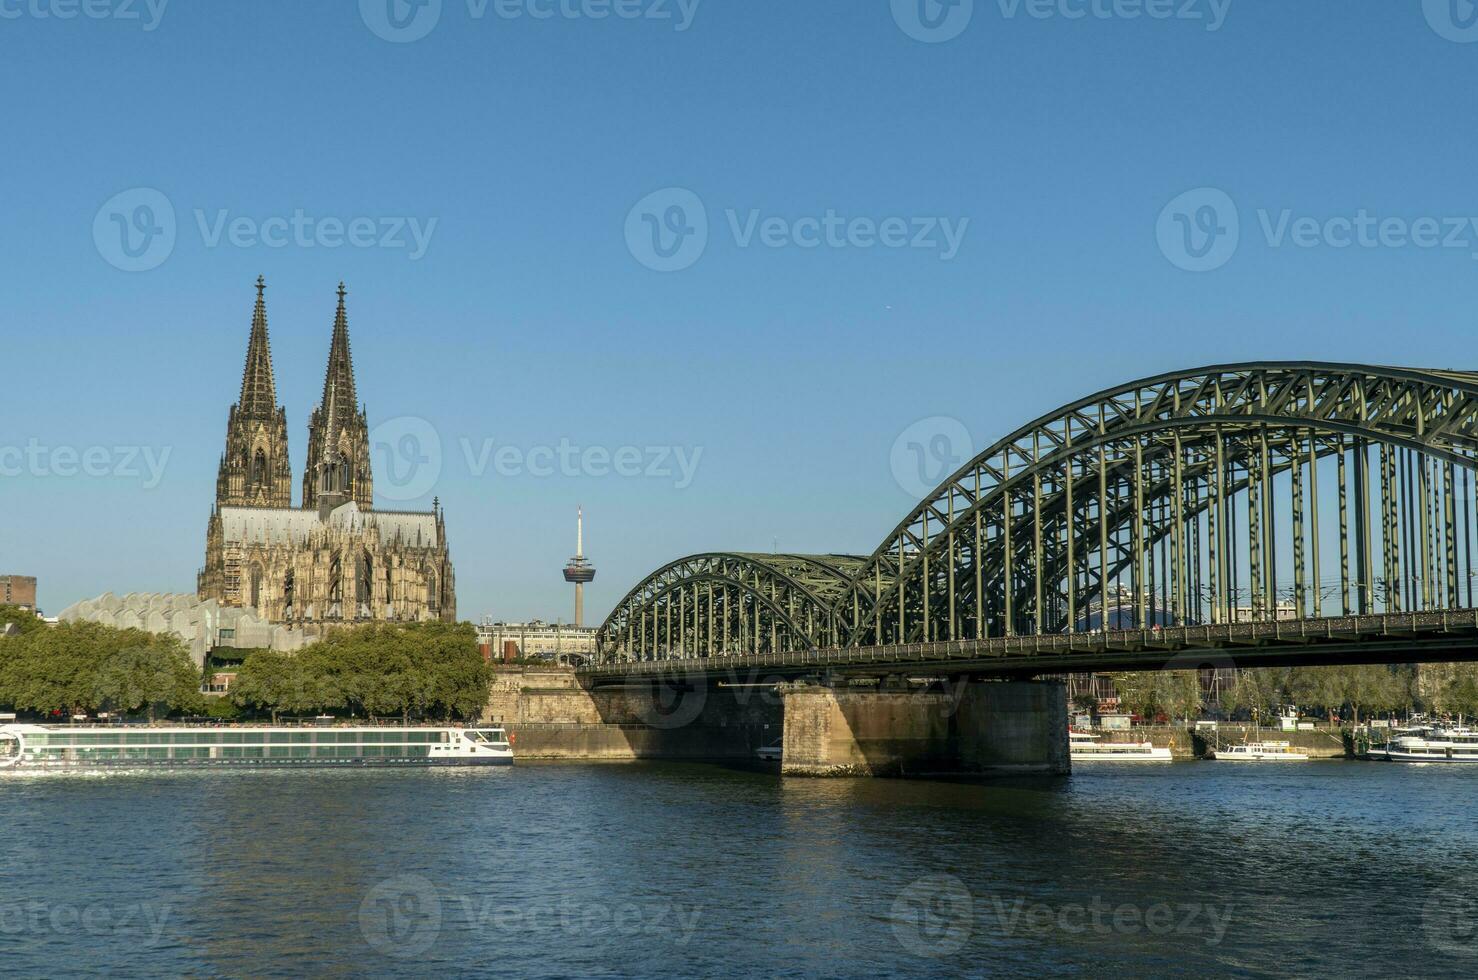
{"x":18,"y":590}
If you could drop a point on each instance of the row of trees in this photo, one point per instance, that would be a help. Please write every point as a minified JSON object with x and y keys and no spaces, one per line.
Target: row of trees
{"x":425,"y":670}
{"x":429,"y":670}
{"x":90,"y":667}
{"x":1354,"y":691}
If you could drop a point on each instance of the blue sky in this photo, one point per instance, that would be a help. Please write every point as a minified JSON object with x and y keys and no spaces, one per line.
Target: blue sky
{"x":785,"y":360}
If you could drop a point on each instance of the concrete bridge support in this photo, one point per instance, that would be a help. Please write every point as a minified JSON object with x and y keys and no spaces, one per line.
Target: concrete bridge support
{"x":959,"y":729}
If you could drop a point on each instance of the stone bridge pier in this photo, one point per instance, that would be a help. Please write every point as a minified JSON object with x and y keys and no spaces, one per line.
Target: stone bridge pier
{"x":958,"y":728}
{"x":962,"y":728}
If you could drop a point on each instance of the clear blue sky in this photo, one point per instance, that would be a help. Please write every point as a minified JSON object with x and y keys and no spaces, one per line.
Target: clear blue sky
{"x":529,"y":320}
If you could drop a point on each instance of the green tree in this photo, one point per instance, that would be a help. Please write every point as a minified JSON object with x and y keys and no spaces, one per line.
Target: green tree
{"x":88,"y":666}
{"x":25,"y":619}
{"x":153,"y":677}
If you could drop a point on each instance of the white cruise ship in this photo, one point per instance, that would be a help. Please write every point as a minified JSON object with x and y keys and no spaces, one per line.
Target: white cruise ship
{"x":1084,"y":747}
{"x":40,"y":747}
{"x":1435,"y":744}
{"x":1258,"y":752}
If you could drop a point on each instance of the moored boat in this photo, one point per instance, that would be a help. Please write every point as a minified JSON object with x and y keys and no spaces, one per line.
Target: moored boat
{"x":1086,"y":747}
{"x":1258,"y":752}
{"x":1431,"y":744}
{"x":41,"y":747}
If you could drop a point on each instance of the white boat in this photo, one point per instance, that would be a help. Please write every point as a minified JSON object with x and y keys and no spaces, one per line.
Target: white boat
{"x":1258,"y":752}
{"x":1434,"y":744}
{"x":1085,"y":747}
{"x":45,"y":747}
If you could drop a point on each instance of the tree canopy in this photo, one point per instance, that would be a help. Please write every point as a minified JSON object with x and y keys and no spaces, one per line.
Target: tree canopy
{"x":426,"y":670}
{"x":90,"y":667}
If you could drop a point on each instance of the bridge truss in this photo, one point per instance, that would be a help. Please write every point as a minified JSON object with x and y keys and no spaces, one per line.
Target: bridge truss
{"x":1243,"y":493}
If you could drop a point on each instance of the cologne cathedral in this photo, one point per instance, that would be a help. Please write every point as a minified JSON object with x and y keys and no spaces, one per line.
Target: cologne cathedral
{"x":334,"y":558}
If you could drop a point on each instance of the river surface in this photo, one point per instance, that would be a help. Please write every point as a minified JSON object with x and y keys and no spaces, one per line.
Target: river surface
{"x":1194,"y":869}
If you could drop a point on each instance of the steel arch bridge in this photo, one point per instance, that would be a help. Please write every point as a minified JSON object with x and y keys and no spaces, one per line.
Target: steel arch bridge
{"x":1233,"y":495}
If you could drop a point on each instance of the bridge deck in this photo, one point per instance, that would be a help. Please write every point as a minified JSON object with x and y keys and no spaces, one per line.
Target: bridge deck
{"x":1381,"y":638}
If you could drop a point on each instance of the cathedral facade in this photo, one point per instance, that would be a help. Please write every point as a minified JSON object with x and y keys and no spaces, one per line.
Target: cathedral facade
{"x":333,"y":559}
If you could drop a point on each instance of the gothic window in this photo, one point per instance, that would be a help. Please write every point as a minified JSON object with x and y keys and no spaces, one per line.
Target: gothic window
{"x":256,"y":588}
{"x":259,"y":470}
{"x":346,"y":481}
{"x":432,"y":596}
{"x":288,"y":588}
{"x":366,"y":584}
{"x":335,"y":581}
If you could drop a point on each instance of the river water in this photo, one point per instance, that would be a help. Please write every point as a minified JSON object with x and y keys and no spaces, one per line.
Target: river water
{"x":1194,"y":869}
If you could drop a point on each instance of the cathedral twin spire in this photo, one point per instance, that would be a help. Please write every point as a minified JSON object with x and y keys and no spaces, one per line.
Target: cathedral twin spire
{"x":338,"y":467}
{"x":258,"y":389}
{"x":255,"y":469}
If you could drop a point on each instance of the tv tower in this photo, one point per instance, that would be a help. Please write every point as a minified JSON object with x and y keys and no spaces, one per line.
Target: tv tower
{"x":579,"y":570}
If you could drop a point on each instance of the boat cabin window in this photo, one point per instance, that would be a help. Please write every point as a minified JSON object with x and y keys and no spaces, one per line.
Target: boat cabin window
{"x":487,"y":736}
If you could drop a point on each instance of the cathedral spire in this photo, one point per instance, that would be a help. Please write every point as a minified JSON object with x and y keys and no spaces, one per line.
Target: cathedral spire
{"x":338,"y":434}
{"x":338,"y":379}
{"x":254,"y":469}
{"x":258,"y":389}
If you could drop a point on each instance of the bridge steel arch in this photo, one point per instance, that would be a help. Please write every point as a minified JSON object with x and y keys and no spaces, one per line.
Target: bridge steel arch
{"x":1238,"y":493}
{"x":722,"y":603}
{"x":1243,"y":492}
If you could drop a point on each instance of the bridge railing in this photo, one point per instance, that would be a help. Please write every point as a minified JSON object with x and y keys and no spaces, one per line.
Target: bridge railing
{"x":1212,"y":636}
